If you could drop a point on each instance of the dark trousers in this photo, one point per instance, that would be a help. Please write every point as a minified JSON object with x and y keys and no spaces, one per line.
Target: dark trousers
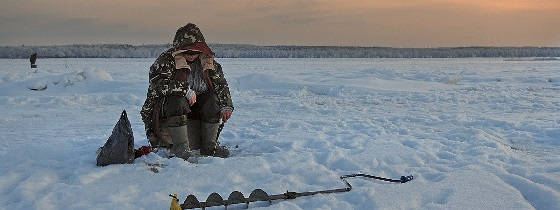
{"x":206,"y":108}
{"x":203,"y":123}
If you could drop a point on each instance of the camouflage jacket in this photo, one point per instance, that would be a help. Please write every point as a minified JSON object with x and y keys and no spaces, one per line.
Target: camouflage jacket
{"x":162,"y":84}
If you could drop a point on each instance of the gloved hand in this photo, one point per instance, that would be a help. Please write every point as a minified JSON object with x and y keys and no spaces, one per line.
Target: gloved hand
{"x":192,"y":100}
{"x":191,"y":96}
{"x":226,"y":114}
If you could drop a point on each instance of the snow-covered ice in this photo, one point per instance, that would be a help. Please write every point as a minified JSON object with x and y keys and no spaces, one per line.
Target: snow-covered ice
{"x":475,"y":133}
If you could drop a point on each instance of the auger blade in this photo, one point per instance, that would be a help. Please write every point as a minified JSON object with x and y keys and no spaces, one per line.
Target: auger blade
{"x":191,"y":202}
{"x":259,"y":195}
{"x":236,"y":197}
{"x":214,"y":199}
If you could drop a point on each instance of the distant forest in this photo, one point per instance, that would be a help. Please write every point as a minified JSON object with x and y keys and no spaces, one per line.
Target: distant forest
{"x":254,"y":51}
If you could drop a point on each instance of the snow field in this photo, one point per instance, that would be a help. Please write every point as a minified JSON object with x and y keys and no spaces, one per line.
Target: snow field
{"x":475,"y":133}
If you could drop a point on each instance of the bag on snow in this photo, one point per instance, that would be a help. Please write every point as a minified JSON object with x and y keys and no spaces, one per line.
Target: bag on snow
{"x":119,"y":148}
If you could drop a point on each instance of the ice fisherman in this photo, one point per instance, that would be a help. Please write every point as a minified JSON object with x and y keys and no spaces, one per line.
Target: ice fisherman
{"x":188,"y":98}
{"x":32,"y":60}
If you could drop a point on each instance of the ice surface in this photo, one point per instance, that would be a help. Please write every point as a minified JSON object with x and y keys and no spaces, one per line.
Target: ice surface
{"x":475,"y":133}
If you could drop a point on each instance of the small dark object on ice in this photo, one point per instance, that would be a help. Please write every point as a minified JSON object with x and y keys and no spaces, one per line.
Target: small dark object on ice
{"x":119,"y":148}
{"x":154,"y":169}
{"x":32,"y":60}
{"x":39,"y":88}
{"x":160,"y":165}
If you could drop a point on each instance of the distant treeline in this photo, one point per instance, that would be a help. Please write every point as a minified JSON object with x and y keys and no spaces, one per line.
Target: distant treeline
{"x":254,"y":51}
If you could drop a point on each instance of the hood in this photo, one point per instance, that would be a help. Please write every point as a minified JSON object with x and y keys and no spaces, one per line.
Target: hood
{"x":187,"y":35}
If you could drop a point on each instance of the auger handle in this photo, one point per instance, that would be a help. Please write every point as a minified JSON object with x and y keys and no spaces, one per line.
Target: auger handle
{"x":405,"y":179}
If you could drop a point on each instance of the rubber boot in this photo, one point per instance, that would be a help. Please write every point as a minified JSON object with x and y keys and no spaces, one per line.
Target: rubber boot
{"x":154,"y":142}
{"x":210,"y":146}
{"x":179,"y":136}
{"x":221,"y":151}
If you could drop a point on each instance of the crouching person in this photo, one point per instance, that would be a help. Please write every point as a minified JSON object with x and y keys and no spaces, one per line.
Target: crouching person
{"x":186,"y":81}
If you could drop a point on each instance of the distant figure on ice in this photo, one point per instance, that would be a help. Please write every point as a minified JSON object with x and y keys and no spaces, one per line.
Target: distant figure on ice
{"x":188,"y":98}
{"x":32,"y":60}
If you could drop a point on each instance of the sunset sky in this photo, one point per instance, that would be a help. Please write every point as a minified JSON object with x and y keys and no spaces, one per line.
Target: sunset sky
{"x":391,"y":23}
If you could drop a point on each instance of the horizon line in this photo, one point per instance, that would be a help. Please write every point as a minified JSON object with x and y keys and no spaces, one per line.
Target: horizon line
{"x":257,"y":45}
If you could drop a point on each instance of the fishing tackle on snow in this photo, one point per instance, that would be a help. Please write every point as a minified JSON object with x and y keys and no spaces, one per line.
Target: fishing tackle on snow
{"x":236,"y":197}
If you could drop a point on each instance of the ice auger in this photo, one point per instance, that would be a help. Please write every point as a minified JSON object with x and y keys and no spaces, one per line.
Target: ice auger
{"x":236,"y":197}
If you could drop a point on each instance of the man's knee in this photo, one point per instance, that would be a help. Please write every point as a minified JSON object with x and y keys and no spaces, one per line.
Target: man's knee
{"x":210,"y":111}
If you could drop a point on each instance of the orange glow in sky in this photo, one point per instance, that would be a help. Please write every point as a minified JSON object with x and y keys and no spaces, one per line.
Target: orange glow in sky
{"x":396,"y":23}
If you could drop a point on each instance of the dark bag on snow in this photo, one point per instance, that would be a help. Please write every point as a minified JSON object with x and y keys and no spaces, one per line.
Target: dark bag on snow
{"x":119,"y":148}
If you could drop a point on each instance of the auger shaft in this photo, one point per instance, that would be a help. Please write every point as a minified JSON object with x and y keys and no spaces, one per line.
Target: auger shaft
{"x":236,"y":197}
